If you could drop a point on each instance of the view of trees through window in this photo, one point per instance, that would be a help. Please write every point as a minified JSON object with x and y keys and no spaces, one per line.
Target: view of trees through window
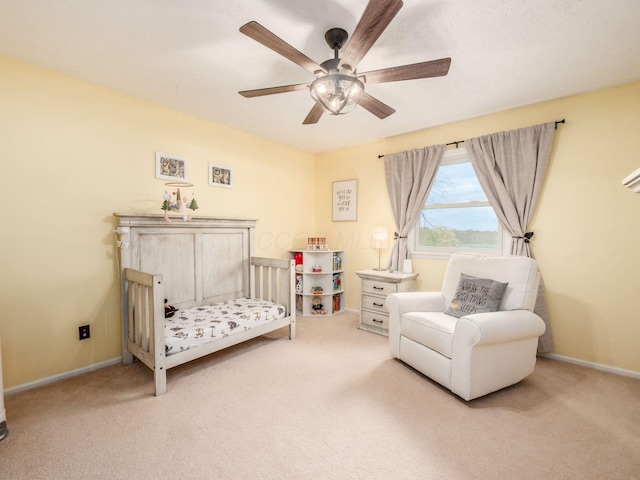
{"x":457,"y":214}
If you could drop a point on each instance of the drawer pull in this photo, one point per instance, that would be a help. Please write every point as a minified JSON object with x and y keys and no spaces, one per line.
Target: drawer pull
{"x":378,"y":288}
{"x":378,"y":321}
{"x":378,"y":304}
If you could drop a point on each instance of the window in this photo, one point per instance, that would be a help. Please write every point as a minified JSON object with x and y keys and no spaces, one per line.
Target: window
{"x":457,"y":216}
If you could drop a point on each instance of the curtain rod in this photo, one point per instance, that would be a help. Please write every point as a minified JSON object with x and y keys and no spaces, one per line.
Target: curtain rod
{"x":462,"y":141}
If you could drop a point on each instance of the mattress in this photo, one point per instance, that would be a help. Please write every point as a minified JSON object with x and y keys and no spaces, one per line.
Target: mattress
{"x":197,"y":326}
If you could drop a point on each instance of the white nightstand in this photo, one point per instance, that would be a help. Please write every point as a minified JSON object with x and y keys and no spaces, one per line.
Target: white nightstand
{"x":375,"y":286}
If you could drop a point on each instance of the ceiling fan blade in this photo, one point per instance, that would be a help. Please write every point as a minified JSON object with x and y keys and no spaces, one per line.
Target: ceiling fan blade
{"x":375,"y":106}
{"x":375,"y":19}
{"x":275,"y":43}
{"x":433,"y":68}
{"x":314,"y":115}
{"x":272,"y":90}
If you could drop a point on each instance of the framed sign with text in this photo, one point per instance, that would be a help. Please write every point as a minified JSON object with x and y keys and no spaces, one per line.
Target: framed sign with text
{"x":345,"y":201}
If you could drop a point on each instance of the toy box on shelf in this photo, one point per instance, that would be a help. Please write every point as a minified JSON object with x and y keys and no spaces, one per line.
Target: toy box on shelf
{"x":317,"y":243}
{"x":319,"y":279}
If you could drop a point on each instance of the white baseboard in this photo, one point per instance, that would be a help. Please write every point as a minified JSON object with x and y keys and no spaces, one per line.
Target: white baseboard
{"x":61,"y":376}
{"x":595,"y":366}
{"x":114,"y":361}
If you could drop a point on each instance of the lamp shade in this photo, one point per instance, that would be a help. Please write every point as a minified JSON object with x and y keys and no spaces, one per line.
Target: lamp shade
{"x":337,"y":93}
{"x":380,"y":237}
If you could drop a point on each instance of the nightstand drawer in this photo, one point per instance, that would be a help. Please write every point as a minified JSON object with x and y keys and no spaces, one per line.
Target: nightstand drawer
{"x":379,"y":304}
{"x":378,"y":287}
{"x":379,"y":320}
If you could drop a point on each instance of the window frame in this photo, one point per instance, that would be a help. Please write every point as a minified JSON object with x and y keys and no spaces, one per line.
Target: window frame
{"x":452,"y":157}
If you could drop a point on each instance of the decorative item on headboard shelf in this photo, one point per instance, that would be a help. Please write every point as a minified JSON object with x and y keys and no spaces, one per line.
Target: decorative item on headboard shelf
{"x":176,"y":202}
{"x":317,"y":243}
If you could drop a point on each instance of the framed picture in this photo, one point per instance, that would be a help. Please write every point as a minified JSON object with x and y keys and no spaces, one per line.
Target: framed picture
{"x":345,"y":201}
{"x":171,"y":167}
{"x":220,"y":176}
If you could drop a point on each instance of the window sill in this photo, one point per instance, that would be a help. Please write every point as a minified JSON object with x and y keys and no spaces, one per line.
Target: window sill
{"x":431,"y":255}
{"x":445,"y":255}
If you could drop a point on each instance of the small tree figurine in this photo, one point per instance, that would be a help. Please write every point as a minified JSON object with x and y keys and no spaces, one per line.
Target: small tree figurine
{"x":193,"y":205}
{"x":166,"y":206}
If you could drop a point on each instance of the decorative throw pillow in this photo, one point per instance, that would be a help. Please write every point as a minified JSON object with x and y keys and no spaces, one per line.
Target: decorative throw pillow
{"x":476,"y":295}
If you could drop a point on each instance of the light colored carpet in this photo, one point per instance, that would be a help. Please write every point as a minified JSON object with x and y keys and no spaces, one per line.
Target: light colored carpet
{"x":330,"y":404}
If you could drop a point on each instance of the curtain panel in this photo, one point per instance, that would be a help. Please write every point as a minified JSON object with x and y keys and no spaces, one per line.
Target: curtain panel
{"x":409,"y":176}
{"x":511,"y":167}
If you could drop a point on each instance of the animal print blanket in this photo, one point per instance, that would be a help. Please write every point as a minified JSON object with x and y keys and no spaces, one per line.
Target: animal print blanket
{"x":199,"y":325}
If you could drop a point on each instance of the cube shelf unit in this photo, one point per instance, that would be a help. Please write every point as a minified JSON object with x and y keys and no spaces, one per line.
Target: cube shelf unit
{"x":329,"y":278}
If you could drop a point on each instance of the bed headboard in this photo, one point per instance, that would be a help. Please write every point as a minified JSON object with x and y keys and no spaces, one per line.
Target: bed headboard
{"x":204,"y":260}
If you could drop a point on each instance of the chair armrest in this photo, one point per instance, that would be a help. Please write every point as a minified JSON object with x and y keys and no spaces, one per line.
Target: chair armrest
{"x":493,"y":350}
{"x":400,"y":303}
{"x":497,"y":327}
{"x":415,"y":302}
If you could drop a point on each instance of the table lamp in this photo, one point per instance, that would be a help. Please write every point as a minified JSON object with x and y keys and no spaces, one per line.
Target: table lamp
{"x":379,"y":240}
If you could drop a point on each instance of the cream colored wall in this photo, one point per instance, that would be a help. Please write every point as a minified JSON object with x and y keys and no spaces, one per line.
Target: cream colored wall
{"x":74,"y":153}
{"x":587,"y":226}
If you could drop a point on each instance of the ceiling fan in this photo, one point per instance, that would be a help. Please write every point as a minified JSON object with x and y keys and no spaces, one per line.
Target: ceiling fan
{"x":338,"y":87}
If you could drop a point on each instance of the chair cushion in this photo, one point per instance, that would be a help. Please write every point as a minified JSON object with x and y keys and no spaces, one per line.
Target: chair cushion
{"x":475,"y":295}
{"x":431,"y":329}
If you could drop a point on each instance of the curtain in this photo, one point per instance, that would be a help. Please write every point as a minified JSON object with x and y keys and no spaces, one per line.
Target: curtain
{"x":410,"y":176}
{"x":511,"y":167}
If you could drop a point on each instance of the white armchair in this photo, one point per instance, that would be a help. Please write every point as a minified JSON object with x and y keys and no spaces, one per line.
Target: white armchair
{"x":477,"y":353}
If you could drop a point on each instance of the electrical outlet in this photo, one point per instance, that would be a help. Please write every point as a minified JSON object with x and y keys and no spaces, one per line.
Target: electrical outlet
{"x":84,"y":332}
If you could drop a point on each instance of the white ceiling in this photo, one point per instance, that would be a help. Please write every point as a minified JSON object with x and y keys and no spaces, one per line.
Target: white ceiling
{"x":190,"y":56}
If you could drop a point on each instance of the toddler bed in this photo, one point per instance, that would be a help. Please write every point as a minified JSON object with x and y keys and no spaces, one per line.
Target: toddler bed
{"x":204,"y":268}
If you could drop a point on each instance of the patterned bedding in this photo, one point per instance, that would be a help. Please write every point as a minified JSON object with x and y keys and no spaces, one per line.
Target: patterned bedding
{"x":200,"y":325}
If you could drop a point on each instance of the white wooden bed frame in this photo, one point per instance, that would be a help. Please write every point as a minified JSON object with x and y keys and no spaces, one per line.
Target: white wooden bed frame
{"x":199,"y":262}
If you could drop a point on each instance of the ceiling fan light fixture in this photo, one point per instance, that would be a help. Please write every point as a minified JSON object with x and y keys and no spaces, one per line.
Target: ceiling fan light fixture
{"x":337,"y":93}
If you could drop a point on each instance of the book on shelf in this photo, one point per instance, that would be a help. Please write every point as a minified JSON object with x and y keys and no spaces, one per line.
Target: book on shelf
{"x":337,"y":303}
{"x":337,"y":262}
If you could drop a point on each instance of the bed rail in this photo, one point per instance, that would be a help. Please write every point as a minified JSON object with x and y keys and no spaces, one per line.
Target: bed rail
{"x":273,"y":280}
{"x":145,"y":307}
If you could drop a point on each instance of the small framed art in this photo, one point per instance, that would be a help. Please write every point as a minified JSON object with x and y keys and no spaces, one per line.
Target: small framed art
{"x":220,"y":176}
{"x":345,"y":201}
{"x":171,"y":167}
